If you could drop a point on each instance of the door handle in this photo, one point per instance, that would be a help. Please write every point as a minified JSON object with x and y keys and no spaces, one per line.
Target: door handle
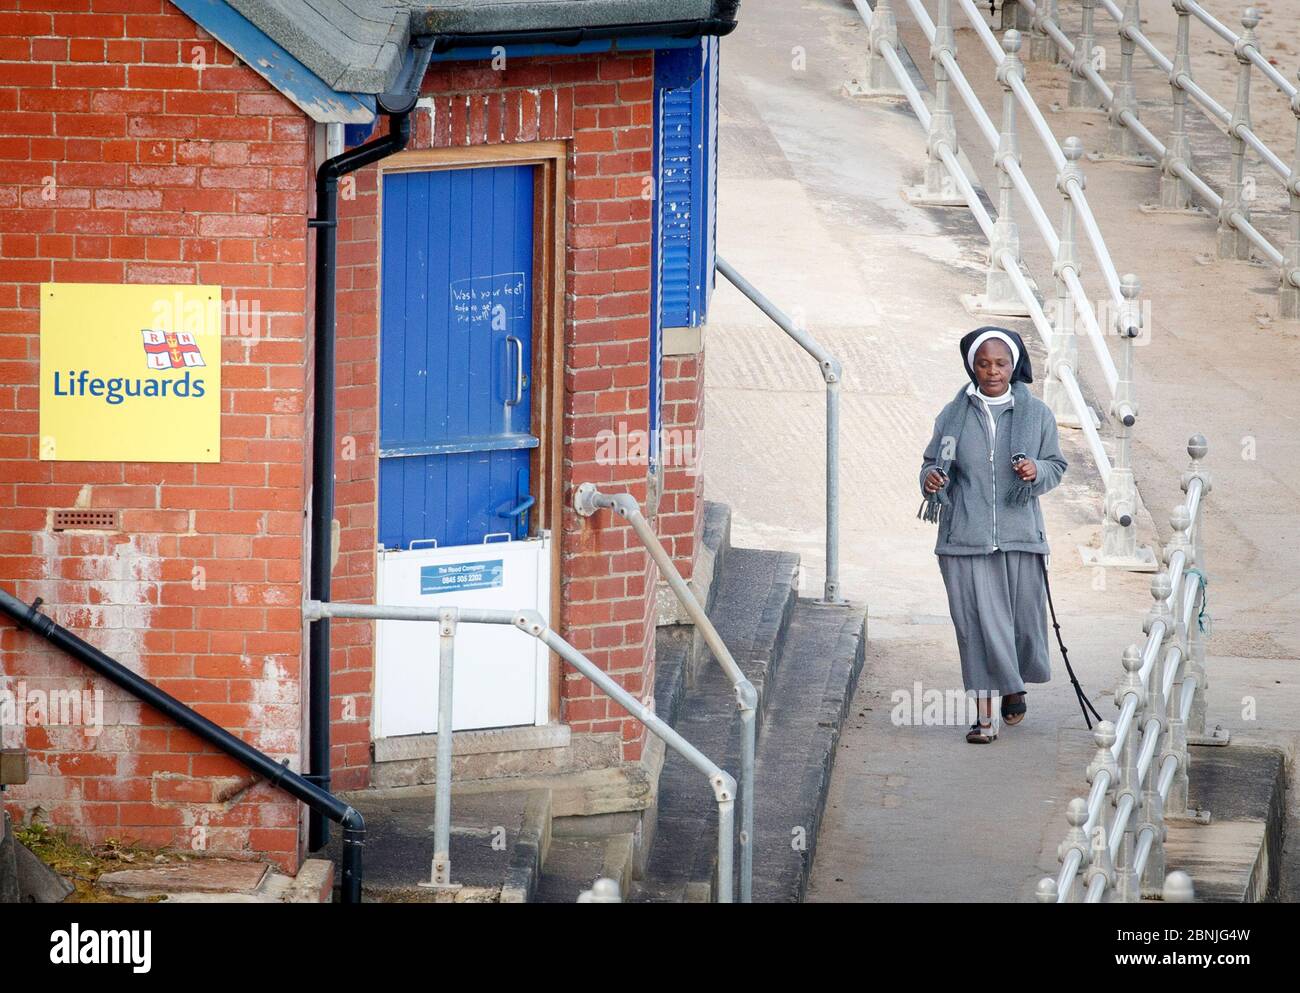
{"x":519,"y":369}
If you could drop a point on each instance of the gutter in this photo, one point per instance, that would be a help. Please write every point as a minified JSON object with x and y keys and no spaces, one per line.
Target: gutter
{"x":445,"y":42}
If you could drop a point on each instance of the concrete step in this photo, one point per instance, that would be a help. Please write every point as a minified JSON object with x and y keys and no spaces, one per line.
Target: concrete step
{"x":573,"y":863}
{"x":752,"y":612}
{"x":811,"y":696}
{"x":219,"y":880}
{"x":752,"y":608}
{"x":499,"y":840}
{"x":804,"y":658}
{"x":680,"y":651}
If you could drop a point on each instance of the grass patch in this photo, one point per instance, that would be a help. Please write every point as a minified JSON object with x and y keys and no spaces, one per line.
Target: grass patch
{"x":82,"y":865}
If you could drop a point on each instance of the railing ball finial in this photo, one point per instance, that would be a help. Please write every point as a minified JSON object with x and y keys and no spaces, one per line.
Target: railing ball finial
{"x":1250,"y":18}
{"x":1181,"y":518}
{"x":1104,"y":735}
{"x":1197,"y":446}
{"x":1011,"y":41}
{"x":1072,"y":147}
{"x":1046,"y":891}
{"x":1161,"y":587}
{"x":1076,"y":812}
{"x":1178,"y":888}
{"x":1130,"y":286}
{"x":1132,"y":660}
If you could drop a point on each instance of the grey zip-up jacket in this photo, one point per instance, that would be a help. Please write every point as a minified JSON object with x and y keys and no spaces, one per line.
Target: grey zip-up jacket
{"x":975,"y":521}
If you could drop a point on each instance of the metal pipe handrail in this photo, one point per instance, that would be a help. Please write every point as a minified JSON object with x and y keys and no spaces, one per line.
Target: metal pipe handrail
{"x":1156,"y":702}
{"x":531,"y":622}
{"x":832,"y":372}
{"x":1177,"y":172}
{"x":1090,"y":434}
{"x":1007,"y":285}
{"x":276,"y":774}
{"x":1028,"y":196}
{"x":587,"y":499}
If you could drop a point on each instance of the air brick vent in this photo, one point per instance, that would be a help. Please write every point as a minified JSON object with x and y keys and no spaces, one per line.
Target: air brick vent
{"x":100,"y":520}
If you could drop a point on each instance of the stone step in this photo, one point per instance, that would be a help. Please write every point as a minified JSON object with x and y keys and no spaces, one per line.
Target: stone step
{"x":811,"y":695}
{"x":499,"y":840}
{"x":808,"y":697}
{"x":752,"y":613}
{"x":752,"y":610}
{"x":573,"y":863}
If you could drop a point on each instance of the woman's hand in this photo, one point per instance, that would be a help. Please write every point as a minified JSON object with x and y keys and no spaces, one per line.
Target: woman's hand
{"x":935,"y":481}
{"x":1027,"y":470}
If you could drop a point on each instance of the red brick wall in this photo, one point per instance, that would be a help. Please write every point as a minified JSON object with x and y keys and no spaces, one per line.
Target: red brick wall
{"x":162,"y":172}
{"x":681,"y":505}
{"x":602,"y":105}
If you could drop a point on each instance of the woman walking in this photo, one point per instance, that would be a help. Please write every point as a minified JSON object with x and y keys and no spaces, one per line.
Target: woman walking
{"x":994,"y":452}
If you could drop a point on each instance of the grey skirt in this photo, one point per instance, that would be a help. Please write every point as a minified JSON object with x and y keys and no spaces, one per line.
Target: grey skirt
{"x":998,"y":605}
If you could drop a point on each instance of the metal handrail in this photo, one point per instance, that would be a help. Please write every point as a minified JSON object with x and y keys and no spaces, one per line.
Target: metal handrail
{"x":1007,"y":283}
{"x":588,"y":499}
{"x":1179,"y":180}
{"x":534,"y":624}
{"x":1142,"y":758}
{"x":276,"y":774}
{"x":832,"y":372}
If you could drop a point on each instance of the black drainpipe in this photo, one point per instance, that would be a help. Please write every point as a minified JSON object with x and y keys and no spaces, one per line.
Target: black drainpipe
{"x":280,"y":776}
{"x":322,"y":471}
{"x":397,"y":105}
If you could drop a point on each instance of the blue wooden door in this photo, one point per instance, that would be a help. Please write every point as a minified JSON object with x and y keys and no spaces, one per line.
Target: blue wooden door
{"x":455,"y":421}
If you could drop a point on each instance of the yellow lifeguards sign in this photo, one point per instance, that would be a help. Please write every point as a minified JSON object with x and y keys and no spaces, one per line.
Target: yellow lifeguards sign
{"x":130,"y":373}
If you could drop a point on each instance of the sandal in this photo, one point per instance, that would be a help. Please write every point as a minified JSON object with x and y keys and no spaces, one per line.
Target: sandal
{"x":981,"y":734}
{"x":1013,"y":711}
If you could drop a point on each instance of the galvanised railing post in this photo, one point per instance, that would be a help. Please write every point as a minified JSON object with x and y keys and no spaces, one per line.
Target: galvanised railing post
{"x":1014,"y":16}
{"x":1175,"y":743}
{"x":1076,"y":839}
{"x":1175,"y":194}
{"x":1198,"y":448}
{"x":441,"y":875}
{"x":1130,"y":685}
{"x":831,"y":588}
{"x":1081,"y":92}
{"x":938,"y":188}
{"x":1289,"y":295}
{"x":1119,"y":531}
{"x":1120,"y":140}
{"x":833,"y":373}
{"x":1000,"y":297}
{"x":1152,"y":817}
{"x":884,"y":31}
{"x":1041,"y":44}
{"x":1065,"y":345}
{"x":1100,"y":863}
{"x":1232,"y":242}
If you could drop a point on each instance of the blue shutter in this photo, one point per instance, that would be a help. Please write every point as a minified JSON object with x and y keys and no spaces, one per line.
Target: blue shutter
{"x":682,"y":187}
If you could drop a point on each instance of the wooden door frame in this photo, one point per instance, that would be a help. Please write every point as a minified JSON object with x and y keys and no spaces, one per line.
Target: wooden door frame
{"x":546,"y":462}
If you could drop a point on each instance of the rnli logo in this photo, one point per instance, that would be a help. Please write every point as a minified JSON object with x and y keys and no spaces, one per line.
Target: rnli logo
{"x":171,"y":350}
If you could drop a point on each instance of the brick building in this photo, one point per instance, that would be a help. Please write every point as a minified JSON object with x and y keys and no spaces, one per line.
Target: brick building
{"x":519,"y":274}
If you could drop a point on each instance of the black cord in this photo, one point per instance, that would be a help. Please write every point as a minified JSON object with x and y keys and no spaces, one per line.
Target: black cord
{"x":1084,"y":703}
